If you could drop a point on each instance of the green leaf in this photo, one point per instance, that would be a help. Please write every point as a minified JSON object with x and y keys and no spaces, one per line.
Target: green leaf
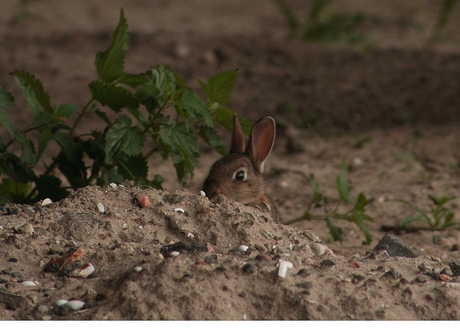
{"x":224,"y":116}
{"x":122,"y":137}
{"x":14,"y":167}
{"x":219,"y":86}
{"x":133,"y":168}
{"x":139,"y":116}
{"x":359,"y":221}
{"x":43,"y":118}
{"x":109,"y":176}
{"x":343,"y":186}
{"x":75,"y":172}
{"x":316,"y":191}
{"x":27,"y":81}
{"x":425,"y":216}
{"x":361,"y":202}
{"x":67,"y":145}
{"x":6,"y":99}
{"x":133,"y":80}
{"x":164,"y":79}
{"x":110,"y":63}
{"x":439,"y":201}
{"x":65,"y":110}
{"x":50,"y":187}
{"x":335,"y":231}
{"x":28,"y":149}
{"x":157,"y":182}
{"x":43,"y":140}
{"x":103,"y":116}
{"x":150,"y":96}
{"x":179,"y":140}
{"x":210,"y":136}
{"x":7,"y":122}
{"x":195,"y":106}
{"x":29,"y":95}
{"x":116,"y":97}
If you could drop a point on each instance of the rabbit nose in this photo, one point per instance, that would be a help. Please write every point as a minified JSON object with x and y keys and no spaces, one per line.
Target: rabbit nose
{"x":212,"y":189}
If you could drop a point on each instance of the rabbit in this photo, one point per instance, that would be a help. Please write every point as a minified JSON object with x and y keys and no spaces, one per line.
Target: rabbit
{"x":239,"y":175}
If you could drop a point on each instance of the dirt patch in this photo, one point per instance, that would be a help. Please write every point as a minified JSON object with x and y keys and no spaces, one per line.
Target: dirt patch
{"x":326,"y":100}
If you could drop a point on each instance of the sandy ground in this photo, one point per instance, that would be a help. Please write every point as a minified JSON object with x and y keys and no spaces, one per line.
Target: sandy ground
{"x":402,"y":98}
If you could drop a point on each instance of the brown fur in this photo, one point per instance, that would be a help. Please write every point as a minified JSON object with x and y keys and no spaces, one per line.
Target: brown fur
{"x":249,"y":160}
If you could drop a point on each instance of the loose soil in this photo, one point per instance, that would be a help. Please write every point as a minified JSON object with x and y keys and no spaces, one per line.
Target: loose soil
{"x":402,"y":100}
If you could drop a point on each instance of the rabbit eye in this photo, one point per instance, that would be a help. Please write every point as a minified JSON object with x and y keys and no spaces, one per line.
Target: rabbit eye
{"x":240,"y":175}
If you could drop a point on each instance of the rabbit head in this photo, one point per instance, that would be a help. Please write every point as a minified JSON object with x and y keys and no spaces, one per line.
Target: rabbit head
{"x":239,"y":175}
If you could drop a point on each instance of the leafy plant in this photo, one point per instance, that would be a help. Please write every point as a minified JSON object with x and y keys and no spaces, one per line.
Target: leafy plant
{"x":356,"y":214}
{"x":324,"y":27}
{"x":115,"y":153}
{"x":437,"y":218}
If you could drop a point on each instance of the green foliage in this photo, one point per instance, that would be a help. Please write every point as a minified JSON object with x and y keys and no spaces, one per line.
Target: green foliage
{"x":141,"y":103}
{"x":437,"y":218}
{"x":443,"y":19}
{"x":356,"y":214}
{"x":322,"y":26}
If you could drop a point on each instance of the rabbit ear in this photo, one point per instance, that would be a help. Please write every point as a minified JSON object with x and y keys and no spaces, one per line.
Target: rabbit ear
{"x":261,"y":142}
{"x":238,"y":141}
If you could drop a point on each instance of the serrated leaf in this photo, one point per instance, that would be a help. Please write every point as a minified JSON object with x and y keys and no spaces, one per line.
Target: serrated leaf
{"x":318,"y":195}
{"x":75,"y":172}
{"x":29,"y":95}
{"x":103,"y":116}
{"x":195,"y":106}
{"x":134,"y":168}
{"x":109,"y":176}
{"x":28,"y":149}
{"x":139,"y":116}
{"x":343,"y":187}
{"x":181,"y":84}
{"x":150,"y":96}
{"x":7,"y":122}
{"x":38,"y":92}
{"x":133,"y":80}
{"x":14,"y":167}
{"x":164,"y":79}
{"x":220,"y":86}
{"x":65,"y":110}
{"x":224,"y":116}
{"x":210,"y":136}
{"x":43,"y":118}
{"x":6,"y":99}
{"x":359,"y":221}
{"x":116,"y":97}
{"x":110,"y":63}
{"x":361,"y":202}
{"x":49,"y":186}
{"x":122,"y":137}
{"x":43,"y":140}
{"x":335,"y":231}
{"x":67,"y":145}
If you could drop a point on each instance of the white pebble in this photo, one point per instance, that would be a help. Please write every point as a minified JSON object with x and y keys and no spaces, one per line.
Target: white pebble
{"x":203,"y":193}
{"x":174,"y":253}
{"x":357,"y":161}
{"x":138,"y":269}
{"x":28,"y":283}
{"x":125,"y":226}
{"x":82,"y":271}
{"x":284,"y":266}
{"x":74,"y":305}
{"x":61,"y":302}
{"x":318,"y":249}
{"x":190,"y":235}
{"x":113,"y":185}
{"x":243,"y":248}
{"x":178,"y":209}
{"x":140,"y":227}
{"x":100,"y":208}
{"x":46,"y":202}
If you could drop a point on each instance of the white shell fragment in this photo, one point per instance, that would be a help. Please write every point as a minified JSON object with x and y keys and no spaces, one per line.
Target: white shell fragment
{"x":28,"y":283}
{"x":243,"y":248}
{"x":100,"y":208}
{"x":284,"y":266}
{"x":82,"y":271}
{"x":138,"y":269}
{"x":178,"y":209}
{"x":46,"y":202}
{"x":61,"y":302}
{"x":174,"y":253}
{"x":203,"y":193}
{"x":190,"y":235}
{"x":113,"y":185}
{"x":74,"y":305}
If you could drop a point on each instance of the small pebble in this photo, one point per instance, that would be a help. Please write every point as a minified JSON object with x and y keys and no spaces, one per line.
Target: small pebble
{"x":203,"y":193}
{"x":46,"y":202}
{"x":61,"y":302}
{"x":143,"y":201}
{"x":82,"y":271}
{"x":74,"y":305}
{"x":263,"y":257}
{"x":354,"y":264}
{"x":444,"y":277}
{"x":138,"y":269}
{"x":284,"y":266}
{"x":113,"y":185}
{"x":190,"y":235}
{"x":303,"y":272}
{"x":28,"y":283}
{"x":174,"y":253}
{"x":326,"y":263}
{"x":200,"y":262}
{"x":100,"y":208}
{"x":243,"y":248}
{"x":318,"y":249}
{"x":249,"y":268}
